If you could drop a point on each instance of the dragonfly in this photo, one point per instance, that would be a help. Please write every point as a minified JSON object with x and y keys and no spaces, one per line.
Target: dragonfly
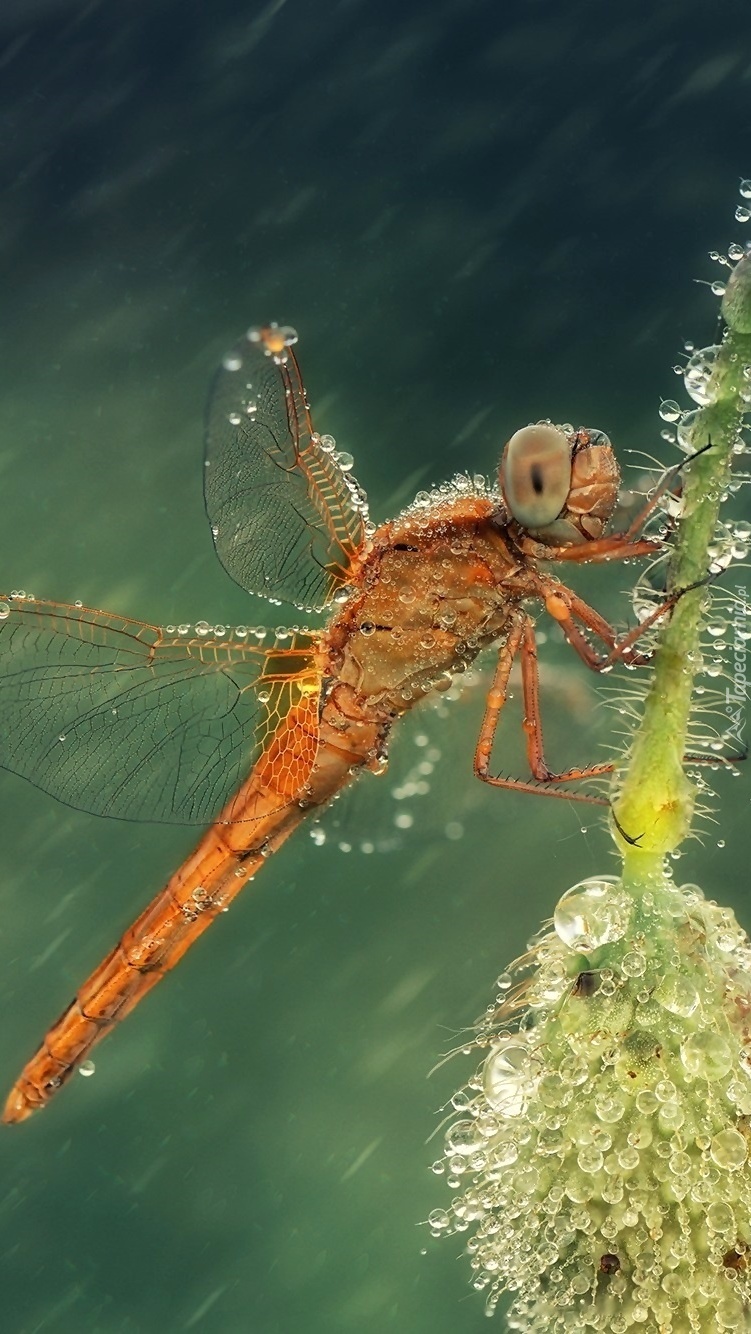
{"x":249,"y":733}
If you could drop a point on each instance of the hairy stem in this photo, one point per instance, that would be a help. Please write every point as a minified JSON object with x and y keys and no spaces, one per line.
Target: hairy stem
{"x":656,"y":800}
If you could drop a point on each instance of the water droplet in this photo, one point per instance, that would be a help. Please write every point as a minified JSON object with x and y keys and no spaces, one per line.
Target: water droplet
{"x":706,"y":1054}
{"x":464,"y":1137}
{"x":699,"y":376}
{"x":679,"y":1163}
{"x":439,"y":1220}
{"x":677,"y":994}
{"x":633,"y":963}
{"x":590,"y":1159}
{"x":671,"y":1116}
{"x":573,"y":1070}
{"x":720,"y":1218}
{"x":593,"y":913}
{"x":686,"y":435}
{"x":728,"y":1149}
{"x":508,"y":1076}
{"x":629,"y":1158}
{"x":731,"y":1313}
{"x":87,"y":1069}
{"x":610,"y":1107}
{"x":665,"y":1091}
{"x":670,"y":411}
{"x":646,"y":1102}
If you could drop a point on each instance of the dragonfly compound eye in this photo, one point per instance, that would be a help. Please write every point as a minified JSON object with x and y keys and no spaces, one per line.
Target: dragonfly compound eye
{"x":535,"y":474}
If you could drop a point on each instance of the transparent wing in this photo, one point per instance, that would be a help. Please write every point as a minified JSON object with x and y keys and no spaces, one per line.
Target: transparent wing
{"x":120,"y":718}
{"x":288,"y":518}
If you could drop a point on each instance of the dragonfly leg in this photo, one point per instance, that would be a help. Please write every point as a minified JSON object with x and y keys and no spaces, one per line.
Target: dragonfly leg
{"x":574,"y":608}
{"x":663,"y":486}
{"x":739,"y":758}
{"x":497,"y":695}
{"x":614,"y":547}
{"x":521,"y":639}
{"x":566,"y":609}
{"x":533,"y":724}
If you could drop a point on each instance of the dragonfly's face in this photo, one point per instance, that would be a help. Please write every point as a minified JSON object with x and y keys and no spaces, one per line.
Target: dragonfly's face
{"x":560,"y":487}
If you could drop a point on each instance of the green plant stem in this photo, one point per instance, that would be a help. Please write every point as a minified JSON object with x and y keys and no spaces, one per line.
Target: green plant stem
{"x":656,"y":800}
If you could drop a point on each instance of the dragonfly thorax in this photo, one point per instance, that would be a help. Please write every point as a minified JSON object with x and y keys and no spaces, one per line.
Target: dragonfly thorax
{"x":437,"y":588}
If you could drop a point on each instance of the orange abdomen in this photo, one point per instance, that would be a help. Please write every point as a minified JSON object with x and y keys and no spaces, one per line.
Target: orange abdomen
{"x":304,"y":754}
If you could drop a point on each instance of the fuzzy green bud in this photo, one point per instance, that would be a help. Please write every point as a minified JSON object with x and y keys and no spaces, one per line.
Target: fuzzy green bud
{"x":602,"y":1147}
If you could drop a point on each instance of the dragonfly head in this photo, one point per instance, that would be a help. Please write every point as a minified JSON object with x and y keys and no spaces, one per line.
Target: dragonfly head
{"x":561,"y":487}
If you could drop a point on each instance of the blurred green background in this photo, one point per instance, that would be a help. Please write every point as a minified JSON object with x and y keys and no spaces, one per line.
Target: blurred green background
{"x":476,"y":215}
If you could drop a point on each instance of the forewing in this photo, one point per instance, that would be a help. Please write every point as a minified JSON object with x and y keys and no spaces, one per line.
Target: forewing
{"x":120,"y":718}
{"x":288,"y":519}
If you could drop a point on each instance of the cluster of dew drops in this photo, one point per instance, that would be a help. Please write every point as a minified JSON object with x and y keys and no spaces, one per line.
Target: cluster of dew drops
{"x":462,"y":484}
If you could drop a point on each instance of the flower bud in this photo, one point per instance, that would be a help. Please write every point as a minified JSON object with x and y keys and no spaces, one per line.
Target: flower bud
{"x":602,"y":1152}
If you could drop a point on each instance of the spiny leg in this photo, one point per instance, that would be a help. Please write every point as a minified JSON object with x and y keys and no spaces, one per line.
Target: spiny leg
{"x":521,"y":638}
{"x":566,"y":607}
{"x":663,"y":486}
{"x":533,"y":724}
{"x":613,"y":547}
{"x":565,"y":610}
